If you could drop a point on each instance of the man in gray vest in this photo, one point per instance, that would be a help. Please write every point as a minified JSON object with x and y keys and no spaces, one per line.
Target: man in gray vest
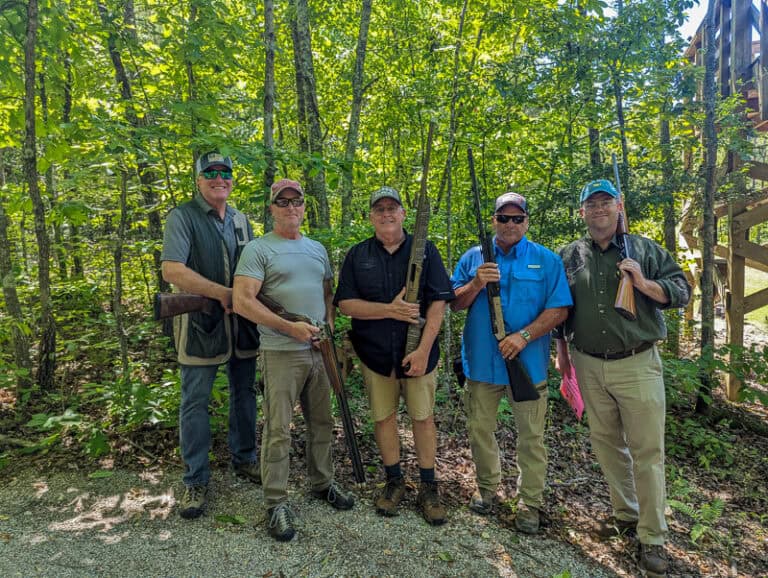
{"x":201,"y":246}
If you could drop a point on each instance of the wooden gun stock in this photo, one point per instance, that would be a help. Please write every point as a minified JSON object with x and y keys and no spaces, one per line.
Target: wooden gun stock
{"x":172,"y":304}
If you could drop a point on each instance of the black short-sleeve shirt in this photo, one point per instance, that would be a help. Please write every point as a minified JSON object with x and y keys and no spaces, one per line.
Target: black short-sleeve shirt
{"x":371,"y":273}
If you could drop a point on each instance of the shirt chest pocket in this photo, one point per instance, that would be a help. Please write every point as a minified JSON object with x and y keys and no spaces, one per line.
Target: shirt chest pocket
{"x":527,"y":286}
{"x":369,"y":280}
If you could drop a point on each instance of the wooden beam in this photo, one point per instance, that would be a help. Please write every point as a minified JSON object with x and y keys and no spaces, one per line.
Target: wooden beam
{"x":756,"y":300}
{"x":763,"y":68}
{"x":758,"y":170}
{"x":754,"y":215}
{"x":752,"y":251}
{"x":734,"y":306}
{"x":741,"y":40}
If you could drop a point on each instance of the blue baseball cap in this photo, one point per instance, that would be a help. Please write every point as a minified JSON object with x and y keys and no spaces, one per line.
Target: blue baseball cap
{"x":599,"y":186}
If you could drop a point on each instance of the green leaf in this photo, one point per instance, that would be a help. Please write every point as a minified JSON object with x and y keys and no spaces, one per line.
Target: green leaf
{"x":445,"y":556}
{"x":237,"y":519}
{"x":99,"y":474}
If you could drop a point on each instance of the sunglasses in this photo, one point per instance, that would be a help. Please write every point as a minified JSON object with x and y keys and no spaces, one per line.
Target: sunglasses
{"x":282,"y":203}
{"x":210,"y":175}
{"x":516,"y":219}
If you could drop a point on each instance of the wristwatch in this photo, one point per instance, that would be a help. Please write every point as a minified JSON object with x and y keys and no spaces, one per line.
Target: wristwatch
{"x":525,"y":334}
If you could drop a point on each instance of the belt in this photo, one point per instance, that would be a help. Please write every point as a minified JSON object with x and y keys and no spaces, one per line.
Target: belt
{"x":619,"y":354}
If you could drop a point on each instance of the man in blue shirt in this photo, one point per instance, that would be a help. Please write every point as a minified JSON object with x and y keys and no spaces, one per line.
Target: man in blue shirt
{"x":535,"y":298}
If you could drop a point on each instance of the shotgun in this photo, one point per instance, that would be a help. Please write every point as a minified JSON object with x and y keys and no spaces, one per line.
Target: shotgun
{"x":170,"y":304}
{"x":416,"y":260}
{"x":520,"y":383}
{"x":625,"y":294}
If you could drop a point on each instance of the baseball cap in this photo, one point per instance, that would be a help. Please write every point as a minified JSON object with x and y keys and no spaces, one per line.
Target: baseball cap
{"x":385,"y":193}
{"x":599,"y":186}
{"x":284,"y":184}
{"x":209,"y":159}
{"x":512,"y":199}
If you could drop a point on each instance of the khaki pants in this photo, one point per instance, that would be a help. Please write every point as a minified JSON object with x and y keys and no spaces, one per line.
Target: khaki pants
{"x":290,"y":376}
{"x":626,"y":406}
{"x":482,"y":402}
{"x":384,"y":394}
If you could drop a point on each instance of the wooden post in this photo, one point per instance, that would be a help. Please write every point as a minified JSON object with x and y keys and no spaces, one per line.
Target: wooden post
{"x":762,"y":87}
{"x":741,"y":44}
{"x":724,"y":49}
{"x":734,"y":310}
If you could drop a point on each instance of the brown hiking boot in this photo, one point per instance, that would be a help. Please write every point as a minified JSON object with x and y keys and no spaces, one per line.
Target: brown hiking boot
{"x":527,"y":519}
{"x":653,"y":560}
{"x":612,"y":527}
{"x":483,"y":502}
{"x":389,"y":499}
{"x":429,"y":504}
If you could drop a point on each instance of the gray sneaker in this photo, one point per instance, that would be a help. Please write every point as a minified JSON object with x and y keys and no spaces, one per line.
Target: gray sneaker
{"x":193,"y":502}
{"x":336,"y":496}
{"x":281,"y":523}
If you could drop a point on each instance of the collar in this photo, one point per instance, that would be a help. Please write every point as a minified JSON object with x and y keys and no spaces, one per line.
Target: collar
{"x":517,"y":250}
{"x":207,"y":208}
{"x":380,"y":244}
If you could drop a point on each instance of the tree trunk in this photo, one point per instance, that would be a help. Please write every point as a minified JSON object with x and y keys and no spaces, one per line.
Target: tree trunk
{"x":269,"y":110}
{"x":12,"y":306}
{"x":117,"y":304}
{"x":145,"y":173}
{"x":314,"y":169}
{"x":47,"y":354}
{"x":354,"y":117}
{"x":709,"y":176}
{"x":670,"y":233}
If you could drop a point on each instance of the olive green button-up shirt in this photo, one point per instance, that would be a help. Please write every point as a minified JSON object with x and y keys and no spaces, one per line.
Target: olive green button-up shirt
{"x":593,"y":277}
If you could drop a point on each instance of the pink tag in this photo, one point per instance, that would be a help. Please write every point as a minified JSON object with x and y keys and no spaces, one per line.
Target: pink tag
{"x":569,"y":388}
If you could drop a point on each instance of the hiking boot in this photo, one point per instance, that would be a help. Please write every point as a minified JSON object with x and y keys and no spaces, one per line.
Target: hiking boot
{"x":612,"y":527}
{"x":483,"y":502}
{"x":250,"y":472}
{"x":281,"y":523}
{"x":429,"y":504}
{"x":335,"y":495}
{"x":527,"y":519}
{"x":193,"y":502}
{"x":653,"y":560}
{"x":390,"y":497}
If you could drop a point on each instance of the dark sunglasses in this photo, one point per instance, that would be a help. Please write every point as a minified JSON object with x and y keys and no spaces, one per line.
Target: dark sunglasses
{"x":516,"y":219}
{"x":282,"y":203}
{"x":210,"y":175}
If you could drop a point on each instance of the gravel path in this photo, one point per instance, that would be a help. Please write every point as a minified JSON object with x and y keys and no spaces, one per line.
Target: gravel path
{"x":72,"y":524}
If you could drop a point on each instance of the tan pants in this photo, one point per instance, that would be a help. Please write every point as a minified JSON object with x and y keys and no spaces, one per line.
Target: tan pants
{"x":482,"y":402}
{"x":626,"y":408}
{"x":290,"y":376}
{"x":384,"y":394}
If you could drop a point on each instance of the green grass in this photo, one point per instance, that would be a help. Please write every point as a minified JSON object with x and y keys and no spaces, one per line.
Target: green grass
{"x":755,"y":281}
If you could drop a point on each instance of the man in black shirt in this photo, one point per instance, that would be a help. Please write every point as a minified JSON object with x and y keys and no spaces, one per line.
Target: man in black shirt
{"x":371,"y":289}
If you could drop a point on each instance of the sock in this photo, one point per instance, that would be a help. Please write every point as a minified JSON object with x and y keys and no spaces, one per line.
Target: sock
{"x":393,"y":471}
{"x":427,"y":475}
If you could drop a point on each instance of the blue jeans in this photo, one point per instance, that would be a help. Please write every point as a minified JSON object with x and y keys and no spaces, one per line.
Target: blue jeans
{"x":194,"y":422}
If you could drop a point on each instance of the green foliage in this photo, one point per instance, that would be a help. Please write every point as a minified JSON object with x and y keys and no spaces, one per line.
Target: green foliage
{"x":688,"y":437}
{"x":704,"y":517}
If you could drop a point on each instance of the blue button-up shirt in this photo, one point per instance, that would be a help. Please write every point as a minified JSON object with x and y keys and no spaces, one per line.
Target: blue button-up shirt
{"x":532,"y":279}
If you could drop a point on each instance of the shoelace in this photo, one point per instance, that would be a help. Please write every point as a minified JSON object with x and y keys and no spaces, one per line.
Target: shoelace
{"x":280,"y":517}
{"x":195,"y":493}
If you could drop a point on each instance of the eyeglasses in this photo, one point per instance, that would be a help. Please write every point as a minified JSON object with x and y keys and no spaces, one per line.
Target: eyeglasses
{"x":210,"y":175}
{"x":592,"y":205}
{"x":282,"y":202}
{"x":380,"y":210}
{"x":516,"y":219}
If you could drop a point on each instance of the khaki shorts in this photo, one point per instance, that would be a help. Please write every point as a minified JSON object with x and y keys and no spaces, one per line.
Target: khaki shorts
{"x":384,"y":394}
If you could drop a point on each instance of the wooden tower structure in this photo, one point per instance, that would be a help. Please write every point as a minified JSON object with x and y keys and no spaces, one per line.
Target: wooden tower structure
{"x":742,"y":69}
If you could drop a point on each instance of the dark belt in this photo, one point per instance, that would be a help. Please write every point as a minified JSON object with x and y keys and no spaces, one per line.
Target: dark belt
{"x":619,"y":354}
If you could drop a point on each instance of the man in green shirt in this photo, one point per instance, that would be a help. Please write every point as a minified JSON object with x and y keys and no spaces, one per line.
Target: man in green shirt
{"x":618,"y":366}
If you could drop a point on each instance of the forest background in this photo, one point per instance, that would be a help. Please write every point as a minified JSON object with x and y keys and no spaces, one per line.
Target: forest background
{"x":104,"y":106}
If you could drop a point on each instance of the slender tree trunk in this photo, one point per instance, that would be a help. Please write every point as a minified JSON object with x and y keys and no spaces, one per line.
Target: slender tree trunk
{"x":12,"y":306}
{"x":709,"y":178}
{"x":314,"y":169}
{"x":47,"y":354}
{"x":354,"y":116}
{"x":670,"y":232}
{"x":269,"y":110}
{"x":118,"y":296}
{"x":72,"y":244}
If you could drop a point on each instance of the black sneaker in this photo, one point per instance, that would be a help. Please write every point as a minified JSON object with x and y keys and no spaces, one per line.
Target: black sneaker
{"x":281,"y":524}
{"x":335,"y":496}
{"x":250,"y":472}
{"x":193,"y":502}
